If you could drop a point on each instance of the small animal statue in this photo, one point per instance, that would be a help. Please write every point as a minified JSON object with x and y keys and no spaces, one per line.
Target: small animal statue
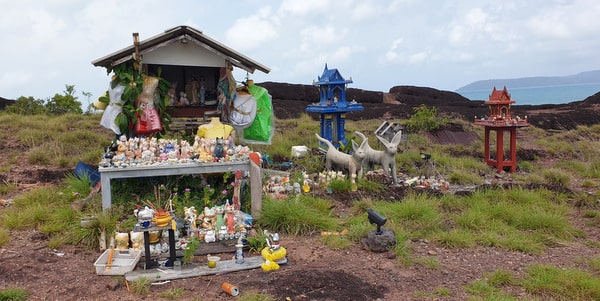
{"x":229,"y":217}
{"x":386,"y":158}
{"x":137,"y":240}
{"x":122,"y":240}
{"x":353,"y":163}
{"x":190,"y":216}
{"x":210,"y":236}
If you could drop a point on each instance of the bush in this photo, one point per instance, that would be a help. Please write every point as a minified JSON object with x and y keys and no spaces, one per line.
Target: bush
{"x":425,"y":119}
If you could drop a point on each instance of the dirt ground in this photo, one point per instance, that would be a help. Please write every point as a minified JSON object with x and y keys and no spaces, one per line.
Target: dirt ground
{"x":313,"y":272}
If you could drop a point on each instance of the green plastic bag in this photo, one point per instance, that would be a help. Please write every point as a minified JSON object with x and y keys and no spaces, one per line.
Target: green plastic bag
{"x":261,"y":130}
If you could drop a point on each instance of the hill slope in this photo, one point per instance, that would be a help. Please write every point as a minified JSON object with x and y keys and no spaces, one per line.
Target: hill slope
{"x":589,"y":77}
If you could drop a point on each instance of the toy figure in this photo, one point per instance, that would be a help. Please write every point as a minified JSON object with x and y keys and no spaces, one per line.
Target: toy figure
{"x":210,"y":236}
{"x":202,"y":90}
{"x":229,"y":218}
{"x":190,"y":216}
{"x":122,"y":240}
{"x":219,"y":211}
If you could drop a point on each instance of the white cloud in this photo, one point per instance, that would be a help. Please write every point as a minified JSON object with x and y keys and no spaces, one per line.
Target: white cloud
{"x":402,"y":41}
{"x":252,"y":32}
{"x":305,"y":7}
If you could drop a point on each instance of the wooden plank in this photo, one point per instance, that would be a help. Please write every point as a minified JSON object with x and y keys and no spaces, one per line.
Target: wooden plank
{"x":187,"y":271}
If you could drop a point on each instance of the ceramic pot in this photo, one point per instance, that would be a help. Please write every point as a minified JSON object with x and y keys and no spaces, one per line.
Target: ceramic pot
{"x":153,"y":236}
{"x":162,"y":219}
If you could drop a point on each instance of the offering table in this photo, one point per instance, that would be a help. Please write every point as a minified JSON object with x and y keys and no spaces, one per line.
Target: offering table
{"x":252,"y":166}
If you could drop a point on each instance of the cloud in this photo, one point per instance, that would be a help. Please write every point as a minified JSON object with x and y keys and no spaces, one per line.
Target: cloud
{"x":305,"y":7}
{"x":252,"y":32}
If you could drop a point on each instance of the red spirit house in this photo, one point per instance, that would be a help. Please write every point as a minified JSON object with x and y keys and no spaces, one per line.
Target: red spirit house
{"x":501,"y":122}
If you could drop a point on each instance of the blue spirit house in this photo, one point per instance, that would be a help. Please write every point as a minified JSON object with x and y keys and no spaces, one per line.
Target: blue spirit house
{"x":333,"y":106}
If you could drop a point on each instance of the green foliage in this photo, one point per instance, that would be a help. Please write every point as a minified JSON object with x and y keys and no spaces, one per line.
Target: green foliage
{"x":141,"y":286}
{"x":14,"y":294}
{"x":428,"y":262}
{"x":129,"y":75}
{"x":514,"y":219}
{"x":425,"y":119}
{"x":27,"y":106}
{"x":172,"y":293}
{"x":455,"y":239}
{"x":486,"y":291}
{"x":295,"y":215}
{"x":63,"y":104}
{"x":6,"y":187}
{"x":190,"y":250}
{"x":336,"y":242}
{"x":253,"y":296}
{"x":561,"y":283}
{"x":369,"y":186}
{"x":557,"y":177}
{"x":4,"y":237}
{"x":340,"y":186}
{"x":257,"y":242}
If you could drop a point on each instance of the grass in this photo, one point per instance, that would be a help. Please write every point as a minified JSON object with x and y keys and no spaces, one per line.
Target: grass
{"x":551,"y":282}
{"x":14,"y":294}
{"x":141,"y":286}
{"x":517,"y":219}
{"x":172,"y":293}
{"x":297,"y":215}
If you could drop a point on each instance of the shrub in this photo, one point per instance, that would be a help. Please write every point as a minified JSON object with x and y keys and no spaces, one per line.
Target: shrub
{"x":425,"y":119}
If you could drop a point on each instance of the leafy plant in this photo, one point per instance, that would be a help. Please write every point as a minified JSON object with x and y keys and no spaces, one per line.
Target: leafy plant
{"x":425,"y":119}
{"x":129,"y":75}
{"x":190,"y":250}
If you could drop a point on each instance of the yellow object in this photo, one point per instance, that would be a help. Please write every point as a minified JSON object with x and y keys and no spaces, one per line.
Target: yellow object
{"x":162,"y":221}
{"x":215,"y":129}
{"x":212,"y":261}
{"x":270,"y":257}
{"x":111,"y":253}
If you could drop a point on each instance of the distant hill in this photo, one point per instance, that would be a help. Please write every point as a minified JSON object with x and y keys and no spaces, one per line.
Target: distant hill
{"x":588,"y":77}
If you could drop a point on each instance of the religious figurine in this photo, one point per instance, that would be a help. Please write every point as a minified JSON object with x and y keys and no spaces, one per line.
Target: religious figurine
{"x":202,"y":90}
{"x":192,"y":89}
{"x":173,"y":94}
{"x":183,"y":99}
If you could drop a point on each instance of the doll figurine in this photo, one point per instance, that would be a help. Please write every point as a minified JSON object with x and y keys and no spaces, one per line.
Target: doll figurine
{"x":229,"y":218}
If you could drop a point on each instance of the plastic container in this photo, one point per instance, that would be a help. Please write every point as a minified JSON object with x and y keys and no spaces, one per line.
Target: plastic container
{"x":212,"y":261}
{"x":123,"y":261}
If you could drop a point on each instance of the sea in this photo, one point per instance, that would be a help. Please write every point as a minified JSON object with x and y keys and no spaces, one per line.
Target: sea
{"x":540,"y":95}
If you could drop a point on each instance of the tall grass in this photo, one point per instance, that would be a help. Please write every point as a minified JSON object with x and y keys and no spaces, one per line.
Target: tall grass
{"x":301,"y":215}
{"x":551,"y":282}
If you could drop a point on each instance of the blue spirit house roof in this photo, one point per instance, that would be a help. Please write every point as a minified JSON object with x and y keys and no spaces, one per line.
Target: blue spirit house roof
{"x":332,"y":94}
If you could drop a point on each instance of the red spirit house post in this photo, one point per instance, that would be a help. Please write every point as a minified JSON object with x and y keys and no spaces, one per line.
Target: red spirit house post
{"x":501,"y":122}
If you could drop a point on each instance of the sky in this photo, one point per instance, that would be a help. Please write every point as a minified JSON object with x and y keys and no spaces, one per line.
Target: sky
{"x":378,"y":43}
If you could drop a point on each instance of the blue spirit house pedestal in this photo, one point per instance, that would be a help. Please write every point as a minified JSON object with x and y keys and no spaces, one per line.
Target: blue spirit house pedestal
{"x":333,"y":106}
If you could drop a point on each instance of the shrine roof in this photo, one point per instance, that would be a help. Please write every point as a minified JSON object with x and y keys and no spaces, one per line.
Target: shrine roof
{"x":331,"y":77}
{"x":183,"y":34}
{"x":500,"y":96}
